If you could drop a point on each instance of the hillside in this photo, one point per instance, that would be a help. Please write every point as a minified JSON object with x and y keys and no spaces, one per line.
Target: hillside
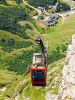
{"x":17,"y":33}
{"x":15,"y":40}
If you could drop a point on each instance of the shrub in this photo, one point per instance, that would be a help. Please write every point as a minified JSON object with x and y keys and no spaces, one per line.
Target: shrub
{"x":62,"y":7}
{"x":42,"y":3}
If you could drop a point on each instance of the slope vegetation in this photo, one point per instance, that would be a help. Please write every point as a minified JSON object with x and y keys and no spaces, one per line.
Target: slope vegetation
{"x":17,"y":32}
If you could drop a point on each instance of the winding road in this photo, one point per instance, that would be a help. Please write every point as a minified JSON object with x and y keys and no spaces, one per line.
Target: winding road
{"x":71,"y":3}
{"x":63,"y":15}
{"x":39,"y":12}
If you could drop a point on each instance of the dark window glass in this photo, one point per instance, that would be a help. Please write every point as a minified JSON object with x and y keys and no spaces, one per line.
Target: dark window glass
{"x":38,"y":75}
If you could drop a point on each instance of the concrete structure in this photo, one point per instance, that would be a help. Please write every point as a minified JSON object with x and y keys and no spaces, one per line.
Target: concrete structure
{"x":51,"y":20}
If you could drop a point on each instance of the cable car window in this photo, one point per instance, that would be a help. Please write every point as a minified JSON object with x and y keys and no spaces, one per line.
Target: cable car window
{"x":38,"y":75}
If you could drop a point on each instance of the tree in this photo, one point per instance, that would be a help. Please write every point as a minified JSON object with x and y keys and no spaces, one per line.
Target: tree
{"x":3,"y":2}
{"x":62,"y":7}
{"x":9,"y":18}
{"x":42,"y":3}
{"x":11,"y":42}
{"x":18,"y":1}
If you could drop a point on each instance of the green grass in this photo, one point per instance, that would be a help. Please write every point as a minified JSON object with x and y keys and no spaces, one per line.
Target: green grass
{"x":16,"y":45}
{"x":22,"y":85}
{"x":17,"y":53}
{"x":15,"y":57}
{"x":58,"y":36}
{"x":6,"y":77}
{"x":24,"y":88}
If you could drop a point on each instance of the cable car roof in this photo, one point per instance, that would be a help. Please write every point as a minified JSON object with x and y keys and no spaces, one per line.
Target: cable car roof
{"x":37,"y":58}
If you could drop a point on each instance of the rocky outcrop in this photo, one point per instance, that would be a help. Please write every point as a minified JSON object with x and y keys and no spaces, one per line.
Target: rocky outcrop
{"x":67,"y":89}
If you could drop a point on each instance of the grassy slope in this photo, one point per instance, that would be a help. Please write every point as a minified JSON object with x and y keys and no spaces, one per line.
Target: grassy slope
{"x":14,"y":55}
{"x":62,"y":33}
{"x":24,"y":89}
{"x":20,"y":56}
{"x":16,"y":45}
{"x":23,"y":84}
{"x":58,"y":36}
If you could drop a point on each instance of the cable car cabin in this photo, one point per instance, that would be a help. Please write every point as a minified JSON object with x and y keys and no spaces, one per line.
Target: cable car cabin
{"x":38,"y":76}
{"x":38,"y":70}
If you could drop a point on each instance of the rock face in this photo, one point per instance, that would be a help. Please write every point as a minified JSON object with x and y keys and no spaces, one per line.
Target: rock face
{"x":67,"y":89}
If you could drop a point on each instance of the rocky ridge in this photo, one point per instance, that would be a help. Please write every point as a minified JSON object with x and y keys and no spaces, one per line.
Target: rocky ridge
{"x":67,"y":89}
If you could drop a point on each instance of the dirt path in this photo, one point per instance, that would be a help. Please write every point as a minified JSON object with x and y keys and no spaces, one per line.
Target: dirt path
{"x":39,"y":12}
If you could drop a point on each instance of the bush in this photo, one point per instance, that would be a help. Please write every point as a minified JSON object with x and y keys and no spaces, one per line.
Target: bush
{"x":11,"y":42}
{"x":41,"y":17}
{"x":20,"y":63}
{"x":3,"y":40}
{"x":62,"y":7}
{"x":18,"y":1}
{"x":9,"y":18}
{"x":42,"y":3}
{"x":3,"y":2}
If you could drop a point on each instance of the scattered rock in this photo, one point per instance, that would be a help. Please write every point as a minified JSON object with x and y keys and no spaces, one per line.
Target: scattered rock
{"x":50,"y":96}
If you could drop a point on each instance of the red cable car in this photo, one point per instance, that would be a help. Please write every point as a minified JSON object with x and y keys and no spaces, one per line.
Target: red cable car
{"x":39,"y":66}
{"x":38,"y":70}
{"x":38,"y":76}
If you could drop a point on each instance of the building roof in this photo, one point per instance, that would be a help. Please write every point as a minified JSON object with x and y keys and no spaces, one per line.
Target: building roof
{"x":51,"y":20}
